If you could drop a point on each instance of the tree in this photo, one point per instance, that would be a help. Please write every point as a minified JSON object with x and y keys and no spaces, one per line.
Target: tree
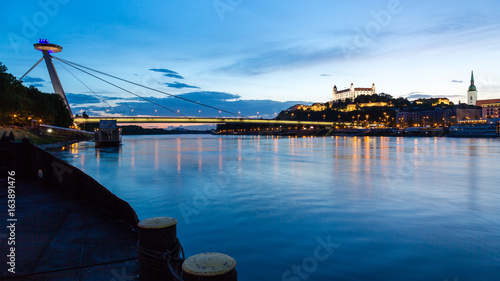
{"x":19,"y":104}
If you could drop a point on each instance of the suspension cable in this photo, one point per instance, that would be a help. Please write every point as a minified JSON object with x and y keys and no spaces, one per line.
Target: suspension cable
{"x":22,"y":77}
{"x":121,"y":88}
{"x":101,"y":98}
{"x":149,"y":88}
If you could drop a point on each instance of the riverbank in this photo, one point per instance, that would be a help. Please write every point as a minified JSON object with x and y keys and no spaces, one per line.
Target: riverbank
{"x":21,"y":132}
{"x":339,"y":132}
{"x":45,"y":141}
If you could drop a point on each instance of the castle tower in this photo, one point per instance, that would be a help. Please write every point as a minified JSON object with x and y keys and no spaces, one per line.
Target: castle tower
{"x":334,"y":93}
{"x":472,"y":93}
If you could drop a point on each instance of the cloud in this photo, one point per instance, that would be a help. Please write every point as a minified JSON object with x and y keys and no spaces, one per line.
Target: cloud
{"x":417,"y":95}
{"x":163,"y":70}
{"x":421,"y":95}
{"x":78,"y":99}
{"x":173,"y":75}
{"x":206,"y":96}
{"x":29,"y":79}
{"x":324,"y":75}
{"x":226,"y":101}
{"x":413,"y":93}
{"x":457,"y":81}
{"x":178,"y":85}
{"x":282,"y":58}
{"x":81,"y":98}
{"x":37,"y":85}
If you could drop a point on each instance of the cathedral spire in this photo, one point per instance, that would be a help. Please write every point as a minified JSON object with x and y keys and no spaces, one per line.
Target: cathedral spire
{"x":472,"y":93}
{"x":472,"y":87}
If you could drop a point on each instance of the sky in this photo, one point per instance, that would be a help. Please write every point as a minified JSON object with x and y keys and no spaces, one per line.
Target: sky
{"x":254,"y":56}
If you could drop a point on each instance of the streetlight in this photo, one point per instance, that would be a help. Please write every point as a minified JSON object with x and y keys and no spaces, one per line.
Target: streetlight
{"x":199,"y":113}
{"x":324,"y":117}
{"x":220,"y":113}
{"x":257,"y":115}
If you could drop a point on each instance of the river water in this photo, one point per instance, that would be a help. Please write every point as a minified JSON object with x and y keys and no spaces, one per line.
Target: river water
{"x":332,"y":208}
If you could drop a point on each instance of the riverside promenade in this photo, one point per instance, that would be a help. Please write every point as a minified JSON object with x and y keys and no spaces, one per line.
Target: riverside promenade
{"x":65,"y":225}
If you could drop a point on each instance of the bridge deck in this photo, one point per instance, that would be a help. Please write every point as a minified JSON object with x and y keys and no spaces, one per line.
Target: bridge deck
{"x":81,"y":120}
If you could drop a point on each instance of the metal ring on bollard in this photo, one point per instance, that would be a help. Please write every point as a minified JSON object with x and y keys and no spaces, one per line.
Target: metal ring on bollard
{"x":160,"y":253}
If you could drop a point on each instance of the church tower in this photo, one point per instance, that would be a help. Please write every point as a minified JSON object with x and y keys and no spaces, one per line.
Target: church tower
{"x":472,"y":93}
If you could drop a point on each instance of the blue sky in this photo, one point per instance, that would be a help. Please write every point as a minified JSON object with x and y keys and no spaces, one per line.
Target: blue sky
{"x":257,"y":55}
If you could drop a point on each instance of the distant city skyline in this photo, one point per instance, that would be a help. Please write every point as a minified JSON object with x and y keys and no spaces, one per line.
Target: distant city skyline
{"x":255,"y":55}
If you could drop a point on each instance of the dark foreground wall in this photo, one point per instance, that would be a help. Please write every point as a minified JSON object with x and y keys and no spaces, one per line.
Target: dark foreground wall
{"x":28,"y":160}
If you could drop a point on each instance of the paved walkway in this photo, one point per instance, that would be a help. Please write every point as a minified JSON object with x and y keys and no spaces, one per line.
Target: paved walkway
{"x":59,"y":238}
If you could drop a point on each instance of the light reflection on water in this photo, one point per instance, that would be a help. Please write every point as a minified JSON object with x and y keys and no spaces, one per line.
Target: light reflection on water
{"x":398,"y":208}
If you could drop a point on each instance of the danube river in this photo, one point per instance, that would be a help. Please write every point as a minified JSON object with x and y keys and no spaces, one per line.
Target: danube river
{"x":332,"y":208}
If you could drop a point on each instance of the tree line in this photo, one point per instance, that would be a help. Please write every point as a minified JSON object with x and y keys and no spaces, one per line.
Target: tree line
{"x":20,"y":104}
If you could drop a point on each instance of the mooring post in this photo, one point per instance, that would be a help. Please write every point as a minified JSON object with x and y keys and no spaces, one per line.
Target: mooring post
{"x":209,"y":267}
{"x":157,"y":245}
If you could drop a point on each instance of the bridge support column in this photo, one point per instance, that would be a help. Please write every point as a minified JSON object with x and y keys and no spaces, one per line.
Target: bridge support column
{"x":56,"y":83}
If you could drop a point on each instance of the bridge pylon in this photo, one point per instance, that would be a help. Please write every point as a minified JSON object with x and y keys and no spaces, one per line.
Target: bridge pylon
{"x":47,"y":48}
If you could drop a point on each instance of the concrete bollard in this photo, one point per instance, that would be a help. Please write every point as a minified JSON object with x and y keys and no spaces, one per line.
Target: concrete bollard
{"x":209,"y":266}
{"x":158,"y":236}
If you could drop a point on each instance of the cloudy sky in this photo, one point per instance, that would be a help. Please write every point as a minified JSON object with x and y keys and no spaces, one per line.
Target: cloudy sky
{"x":255,"y":56}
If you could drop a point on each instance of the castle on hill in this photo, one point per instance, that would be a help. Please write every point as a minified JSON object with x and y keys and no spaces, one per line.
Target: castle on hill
{"x":351,"y":93}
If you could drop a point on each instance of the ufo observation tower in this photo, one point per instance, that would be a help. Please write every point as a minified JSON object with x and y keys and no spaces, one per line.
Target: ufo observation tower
{"x":47,"y":48}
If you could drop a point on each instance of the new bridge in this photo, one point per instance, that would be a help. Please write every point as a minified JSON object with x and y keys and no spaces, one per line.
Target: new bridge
{"x":200,"y":120}
{"x":48,"y":48}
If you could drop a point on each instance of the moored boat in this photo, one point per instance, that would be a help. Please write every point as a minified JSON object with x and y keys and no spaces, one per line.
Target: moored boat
{"x":108,"y":134}
{"x":476,"y":128}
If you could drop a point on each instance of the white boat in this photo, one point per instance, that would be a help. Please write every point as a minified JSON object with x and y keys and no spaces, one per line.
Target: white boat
{"x":476,"y":128}
{"x":108,"y":134}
